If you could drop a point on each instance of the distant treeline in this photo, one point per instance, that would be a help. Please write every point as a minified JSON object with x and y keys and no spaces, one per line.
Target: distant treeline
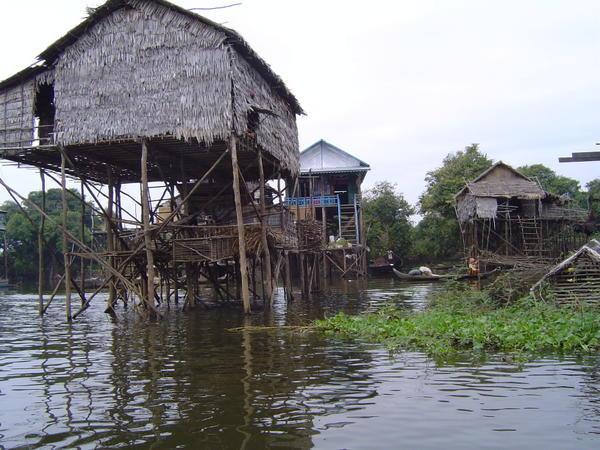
{"x":436,"y":236}
{"x":388,"y":216}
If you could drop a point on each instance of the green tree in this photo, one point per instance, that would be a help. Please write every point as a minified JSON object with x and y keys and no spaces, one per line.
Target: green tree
{"x":593,"y":197}
{"x":444,"y":182}
{"x":437,"y":235}
{"x":387,"y":218}
{"x":22,"y":234}
{"x":553,"y":183}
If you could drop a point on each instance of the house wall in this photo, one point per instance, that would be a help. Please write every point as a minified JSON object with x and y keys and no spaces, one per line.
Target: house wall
{"x":16,"y":115}
{"x":140,"y":73}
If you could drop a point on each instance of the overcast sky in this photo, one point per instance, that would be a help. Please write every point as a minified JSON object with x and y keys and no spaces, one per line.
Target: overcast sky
{"x":400,"y":84}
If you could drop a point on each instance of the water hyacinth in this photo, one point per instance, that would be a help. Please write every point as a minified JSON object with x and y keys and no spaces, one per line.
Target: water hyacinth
{"x":457,"y":321}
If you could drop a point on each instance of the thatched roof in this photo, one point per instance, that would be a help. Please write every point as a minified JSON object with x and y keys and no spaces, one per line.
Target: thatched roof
{"x":591,"y":250}
{"x":46,"y":58}
{"x":148,"y":68}
{"x":502,"y":180}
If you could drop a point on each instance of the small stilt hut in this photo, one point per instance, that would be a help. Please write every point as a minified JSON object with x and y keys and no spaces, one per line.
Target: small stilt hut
{"x":576,"y":280}
{"x":507,"y":218}
{"x":146,"y":93}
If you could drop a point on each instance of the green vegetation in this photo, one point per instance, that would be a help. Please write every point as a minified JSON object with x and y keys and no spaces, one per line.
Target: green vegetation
{"x":22,"y":235}
{"x":387,"y":216}
{"x":459,"y":320}
{"x":556,"y":184}
{"x":593,"y":188}
{"x":436,"y":236}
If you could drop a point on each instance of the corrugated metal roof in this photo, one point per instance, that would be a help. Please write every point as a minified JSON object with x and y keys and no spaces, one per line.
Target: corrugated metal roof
{"x":322,"y":157}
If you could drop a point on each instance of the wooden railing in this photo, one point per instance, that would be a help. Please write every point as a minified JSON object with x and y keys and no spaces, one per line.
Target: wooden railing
{"x":26,"y":137}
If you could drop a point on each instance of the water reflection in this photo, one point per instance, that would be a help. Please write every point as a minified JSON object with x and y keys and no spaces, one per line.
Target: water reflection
{"x":186,"y":381}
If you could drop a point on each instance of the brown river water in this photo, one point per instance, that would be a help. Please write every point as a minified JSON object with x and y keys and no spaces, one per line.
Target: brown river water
{"x":187,"y":382}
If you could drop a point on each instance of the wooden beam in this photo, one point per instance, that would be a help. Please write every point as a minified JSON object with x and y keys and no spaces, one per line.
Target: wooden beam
{"x":266,"y":254}
{"x":146,"y":221}
{"x":65,"y":242}
{"x":110,"y":241}
{"x":240,"y":226}
{"x":41,"y":247}
{"x":581,"y":157}
{"x":82,"y":237}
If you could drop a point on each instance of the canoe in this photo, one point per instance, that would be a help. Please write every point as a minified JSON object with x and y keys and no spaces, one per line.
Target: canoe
{"x":407,"y":277}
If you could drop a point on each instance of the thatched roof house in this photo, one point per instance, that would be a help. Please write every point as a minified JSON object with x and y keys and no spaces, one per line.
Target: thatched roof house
{"x":574,"y":280}
{"x":502,"y":190}
{"x":151,"y":69}
{"x":480,"y":198}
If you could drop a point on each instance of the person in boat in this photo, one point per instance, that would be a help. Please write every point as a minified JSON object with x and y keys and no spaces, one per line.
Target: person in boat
{"x":421,"y":271}
{"x":473,"y":266}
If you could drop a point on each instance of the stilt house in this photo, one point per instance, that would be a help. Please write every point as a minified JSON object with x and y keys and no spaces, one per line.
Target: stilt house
{"x":329,"y":192}
{"x":506,"y":217}
{"x":576,"y":280}
{"x":146,"y":92}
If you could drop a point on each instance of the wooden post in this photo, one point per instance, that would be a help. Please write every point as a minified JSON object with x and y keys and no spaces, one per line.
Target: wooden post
{"x":82,"y":237}
{"x":110,"y":241}
{"x":288,"y":278}
{"x":266,"y":254}
{"x":146,"y":222}
{"x":41,"y":247}
{"x":324,"y":223}
{"x":65,"y":243}
{"x":302,"y":275}
{"x":240,"y":226}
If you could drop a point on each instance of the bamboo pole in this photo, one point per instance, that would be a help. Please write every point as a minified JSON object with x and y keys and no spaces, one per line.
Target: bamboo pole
{"x":266,"y":254}
{"x":288,"y":278}
{"x":240,"y":226}
{"x":65,"y":244}
{"x":302,"y":275}
{"x":146,"y":221}
{"x":110,"y":240}
{"x":84,"y":248}
{"x":41,"y":247}
{"x":82,"y":237}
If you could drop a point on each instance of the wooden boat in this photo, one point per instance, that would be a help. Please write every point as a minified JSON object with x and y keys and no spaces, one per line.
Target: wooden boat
{"x":480,"y":276}
{"x":421,"y":278}
{"x":406,"y":277}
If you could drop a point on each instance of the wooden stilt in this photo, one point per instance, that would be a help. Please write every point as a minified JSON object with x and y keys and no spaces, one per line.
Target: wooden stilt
{"x":302,"y":275}
{"x":110,"y":242}
{"x":240,"y":226}
{"x":41,"y":247}
{"x":288,"y":278}
{"x":82,"y":237}
{"x":324,"y":224}
{"x":65,"y":243}
{"x":276,"y":271}
{"x":253,"y":277}
{"x":266,"y":254}
{"x":146,"y":221}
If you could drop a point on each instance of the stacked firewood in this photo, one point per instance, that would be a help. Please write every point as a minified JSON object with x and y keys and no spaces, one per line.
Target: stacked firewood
{"x":310,"y":234}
